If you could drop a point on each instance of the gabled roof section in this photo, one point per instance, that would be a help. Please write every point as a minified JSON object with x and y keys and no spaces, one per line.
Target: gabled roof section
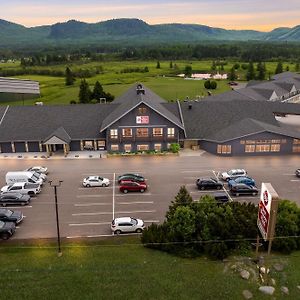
{"x":19,"y":86}
{"x":134,"y":96}
{"x":285,"y":85}
{"x":266,"y":93}
{"x":59,"y":133}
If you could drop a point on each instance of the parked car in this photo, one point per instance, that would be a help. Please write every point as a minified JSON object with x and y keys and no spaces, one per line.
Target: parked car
{"x":7,"y":215}
{"x":243,"y":189}
{"x":244,"y":179}
{"x":232,"y":83}
{"x":221,"y":197}
{"x":95,"y":181}
{"x":14,"y":199}
{"x":208,"y":183}
{"x":234,"y":173}
{"x":131,"y":177}
{"x":127,"y":224}
{"x":297,"y":172}
{"x":39,"y":169}
{"x":22,"y":188}
{"x":7,"y":229}
{"x":132,"y":186}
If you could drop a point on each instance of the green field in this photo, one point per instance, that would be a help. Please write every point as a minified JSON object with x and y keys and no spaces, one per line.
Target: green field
{"x":162,"y":81}
{"x":123,"y":269}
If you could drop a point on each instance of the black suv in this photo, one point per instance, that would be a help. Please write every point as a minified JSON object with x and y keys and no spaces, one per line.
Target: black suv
{"x":209,"y":183}
{"x":243,"y":189}
{"x":7,"y":229}
{"x":131,"y":177}
{"x":297,"y":172}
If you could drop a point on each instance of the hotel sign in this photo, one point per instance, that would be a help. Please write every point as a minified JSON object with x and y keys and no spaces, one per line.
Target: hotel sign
{"x":142,"y":120}
{"x":267,"y":210}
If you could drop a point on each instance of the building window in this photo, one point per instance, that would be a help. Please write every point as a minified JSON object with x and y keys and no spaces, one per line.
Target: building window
{"x":114,"y":147}
{"x":157,"y":147}
{"x":224,"y":149}
{"x":114,"y":133}
{"x":275,"y":148}
{"x":296,"y":149}
{"x":127,"y":132}
{"x":275,"y":141}
{"x":171,"y":132}
{"x":262,"y":148}
{"x":101,"y":145}
{"x":296,"y":142}
{"x":142,"y":132}
{"x":250,"y":142}
{"x":242,"y":142}
{"x":250,"y":148}
{"x":157,"y":132}
{"x":142,"y":147}
{"x":88,"y":145}
{"x":142,"y":110}
{"x":127,"y":147}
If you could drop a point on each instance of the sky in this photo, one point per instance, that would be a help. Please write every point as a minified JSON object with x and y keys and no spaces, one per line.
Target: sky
{"x":263,"y":15}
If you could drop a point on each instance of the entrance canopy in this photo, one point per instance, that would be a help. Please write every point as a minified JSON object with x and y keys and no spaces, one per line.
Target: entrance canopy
{"x":58,"y":137}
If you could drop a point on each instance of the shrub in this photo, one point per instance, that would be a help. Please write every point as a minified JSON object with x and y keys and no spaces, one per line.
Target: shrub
{"x":213,"y":85}
{"x":174,"y":148}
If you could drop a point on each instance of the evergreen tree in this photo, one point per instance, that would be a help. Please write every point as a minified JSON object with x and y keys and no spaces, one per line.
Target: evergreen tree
{"x":188,"y":71}
{"x":183,"y":198}
{"x":98,"y":91}
{"x":213,"y":85}
{"x":250,"y":73}
{"x":171,"y":65}
{"x":69,"y":77}
{"x":287,"y":68}
{"x":279,"y":68}
{"x":158,"y":65}
{"x":261,"y":68}
{"x":232,"y":75}
{"x":297,"y":67}
{"x":84,"y":92}
{"x":213,"y":66}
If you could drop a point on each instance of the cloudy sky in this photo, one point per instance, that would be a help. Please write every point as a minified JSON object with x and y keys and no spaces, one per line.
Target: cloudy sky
{"x":234,"y":14}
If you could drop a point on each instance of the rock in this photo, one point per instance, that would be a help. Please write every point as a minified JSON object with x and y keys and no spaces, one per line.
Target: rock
{"x":285,"y":290}
{"x":247,"y":294}
{"x":245,"y":274}
{"x":233,"y":267}
{"x":263,"y":270}
{"x":298,"y":287}
{"x":268,"y":290}
{"x":278,"y":267}
{"x":273,"y":282}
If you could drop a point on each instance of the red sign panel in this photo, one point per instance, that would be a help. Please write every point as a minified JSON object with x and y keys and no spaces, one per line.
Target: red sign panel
{"x":263,"y":219}
{"x":142,"y":119}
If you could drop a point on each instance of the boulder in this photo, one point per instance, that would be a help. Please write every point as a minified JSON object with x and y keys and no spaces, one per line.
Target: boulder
{"x":245,"y":274}
{"x":284,"y":290}
{"x":247,"y":294}
{"x":268,"y":290}
{"x":278,"y":267}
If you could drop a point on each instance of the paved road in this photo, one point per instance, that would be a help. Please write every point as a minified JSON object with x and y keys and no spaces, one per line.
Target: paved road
{"x":87,"y":212}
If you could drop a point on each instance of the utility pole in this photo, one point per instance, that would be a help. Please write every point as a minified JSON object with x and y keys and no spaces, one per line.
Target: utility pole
{"x":55,"y":185}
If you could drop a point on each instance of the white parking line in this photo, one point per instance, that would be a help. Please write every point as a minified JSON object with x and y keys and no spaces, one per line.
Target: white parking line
{"x":94,"y":173}
{"x":118,"y":212}
{"x":91,"y":214}
{"x":95,"y":188}
{"x":89,"y":224}
{"x":19,"y":207}
{"x":136,"y":202}
{"x":288,"y":174}
{"x":136,"y":211}
{"x":151,"y":221}
{"x":294,"y":180}
{"x":204,"y":192}
{"x":113,"y":208}
{"x":195,"y":171}
{"x":134,"y":194}
{"x":91,"y":204}
{"x":190,"y":184}
{"x":224,"y":189}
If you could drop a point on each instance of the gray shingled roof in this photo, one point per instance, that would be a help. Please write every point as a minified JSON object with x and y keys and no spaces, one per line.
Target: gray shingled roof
{"x":61,"y":134}
{"x":34,"y":123}
{"x":285,"y":75}
{"x":206,"y":119}
{"x":130,"y":99}
{"x":18,"y":86}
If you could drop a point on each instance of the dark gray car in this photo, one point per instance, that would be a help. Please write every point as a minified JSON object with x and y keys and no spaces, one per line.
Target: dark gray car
{"x":7,"y":215}
{"x":14,"y":199}
{"x":7,"y":229}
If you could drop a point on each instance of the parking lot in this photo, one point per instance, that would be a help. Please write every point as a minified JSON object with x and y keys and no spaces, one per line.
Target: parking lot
{"x":88,"y":212}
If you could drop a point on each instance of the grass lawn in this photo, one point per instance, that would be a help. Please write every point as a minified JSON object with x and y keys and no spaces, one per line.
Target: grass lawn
{"x":123,"y":269}
{"x":54,"y":91}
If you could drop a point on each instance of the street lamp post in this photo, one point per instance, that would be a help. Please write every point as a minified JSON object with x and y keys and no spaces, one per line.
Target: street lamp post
{"x":55,"y":185}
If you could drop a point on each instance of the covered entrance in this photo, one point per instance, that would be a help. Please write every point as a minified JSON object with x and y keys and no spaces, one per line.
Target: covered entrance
{"x":58,"y":141}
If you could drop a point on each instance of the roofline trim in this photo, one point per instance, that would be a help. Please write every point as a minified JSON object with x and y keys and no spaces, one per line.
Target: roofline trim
{"x":181,"y":117}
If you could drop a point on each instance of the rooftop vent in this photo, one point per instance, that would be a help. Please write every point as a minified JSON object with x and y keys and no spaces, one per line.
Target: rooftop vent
{"x":140,"y":89}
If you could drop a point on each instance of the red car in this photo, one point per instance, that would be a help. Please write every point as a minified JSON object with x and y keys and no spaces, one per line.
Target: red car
{"x":131,"y":186}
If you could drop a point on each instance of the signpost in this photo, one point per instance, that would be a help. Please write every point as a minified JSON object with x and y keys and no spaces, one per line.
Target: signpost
{"x":142,"y":120}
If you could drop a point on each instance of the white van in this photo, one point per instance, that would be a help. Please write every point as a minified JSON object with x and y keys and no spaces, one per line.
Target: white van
{"x":21,"y":176}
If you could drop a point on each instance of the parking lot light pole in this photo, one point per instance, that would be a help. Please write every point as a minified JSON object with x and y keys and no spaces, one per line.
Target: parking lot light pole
{"x":55,"y":185}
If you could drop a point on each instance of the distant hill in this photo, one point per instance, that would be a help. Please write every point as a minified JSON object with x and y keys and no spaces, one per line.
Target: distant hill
{"x":131,"y":31}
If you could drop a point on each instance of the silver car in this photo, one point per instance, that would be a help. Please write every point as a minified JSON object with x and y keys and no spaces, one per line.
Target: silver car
{"x":95,"y":181}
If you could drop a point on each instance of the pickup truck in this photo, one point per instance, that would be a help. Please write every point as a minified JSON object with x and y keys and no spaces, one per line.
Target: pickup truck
{"x":22,"y":188}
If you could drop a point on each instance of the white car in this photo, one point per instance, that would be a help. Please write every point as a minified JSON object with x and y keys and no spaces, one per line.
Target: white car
{"x":22,"y":188}
{"x":232,"y":174}
{"x":127,"y":224}
{"x":39,"y":169}
{"x":95,"y":181}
